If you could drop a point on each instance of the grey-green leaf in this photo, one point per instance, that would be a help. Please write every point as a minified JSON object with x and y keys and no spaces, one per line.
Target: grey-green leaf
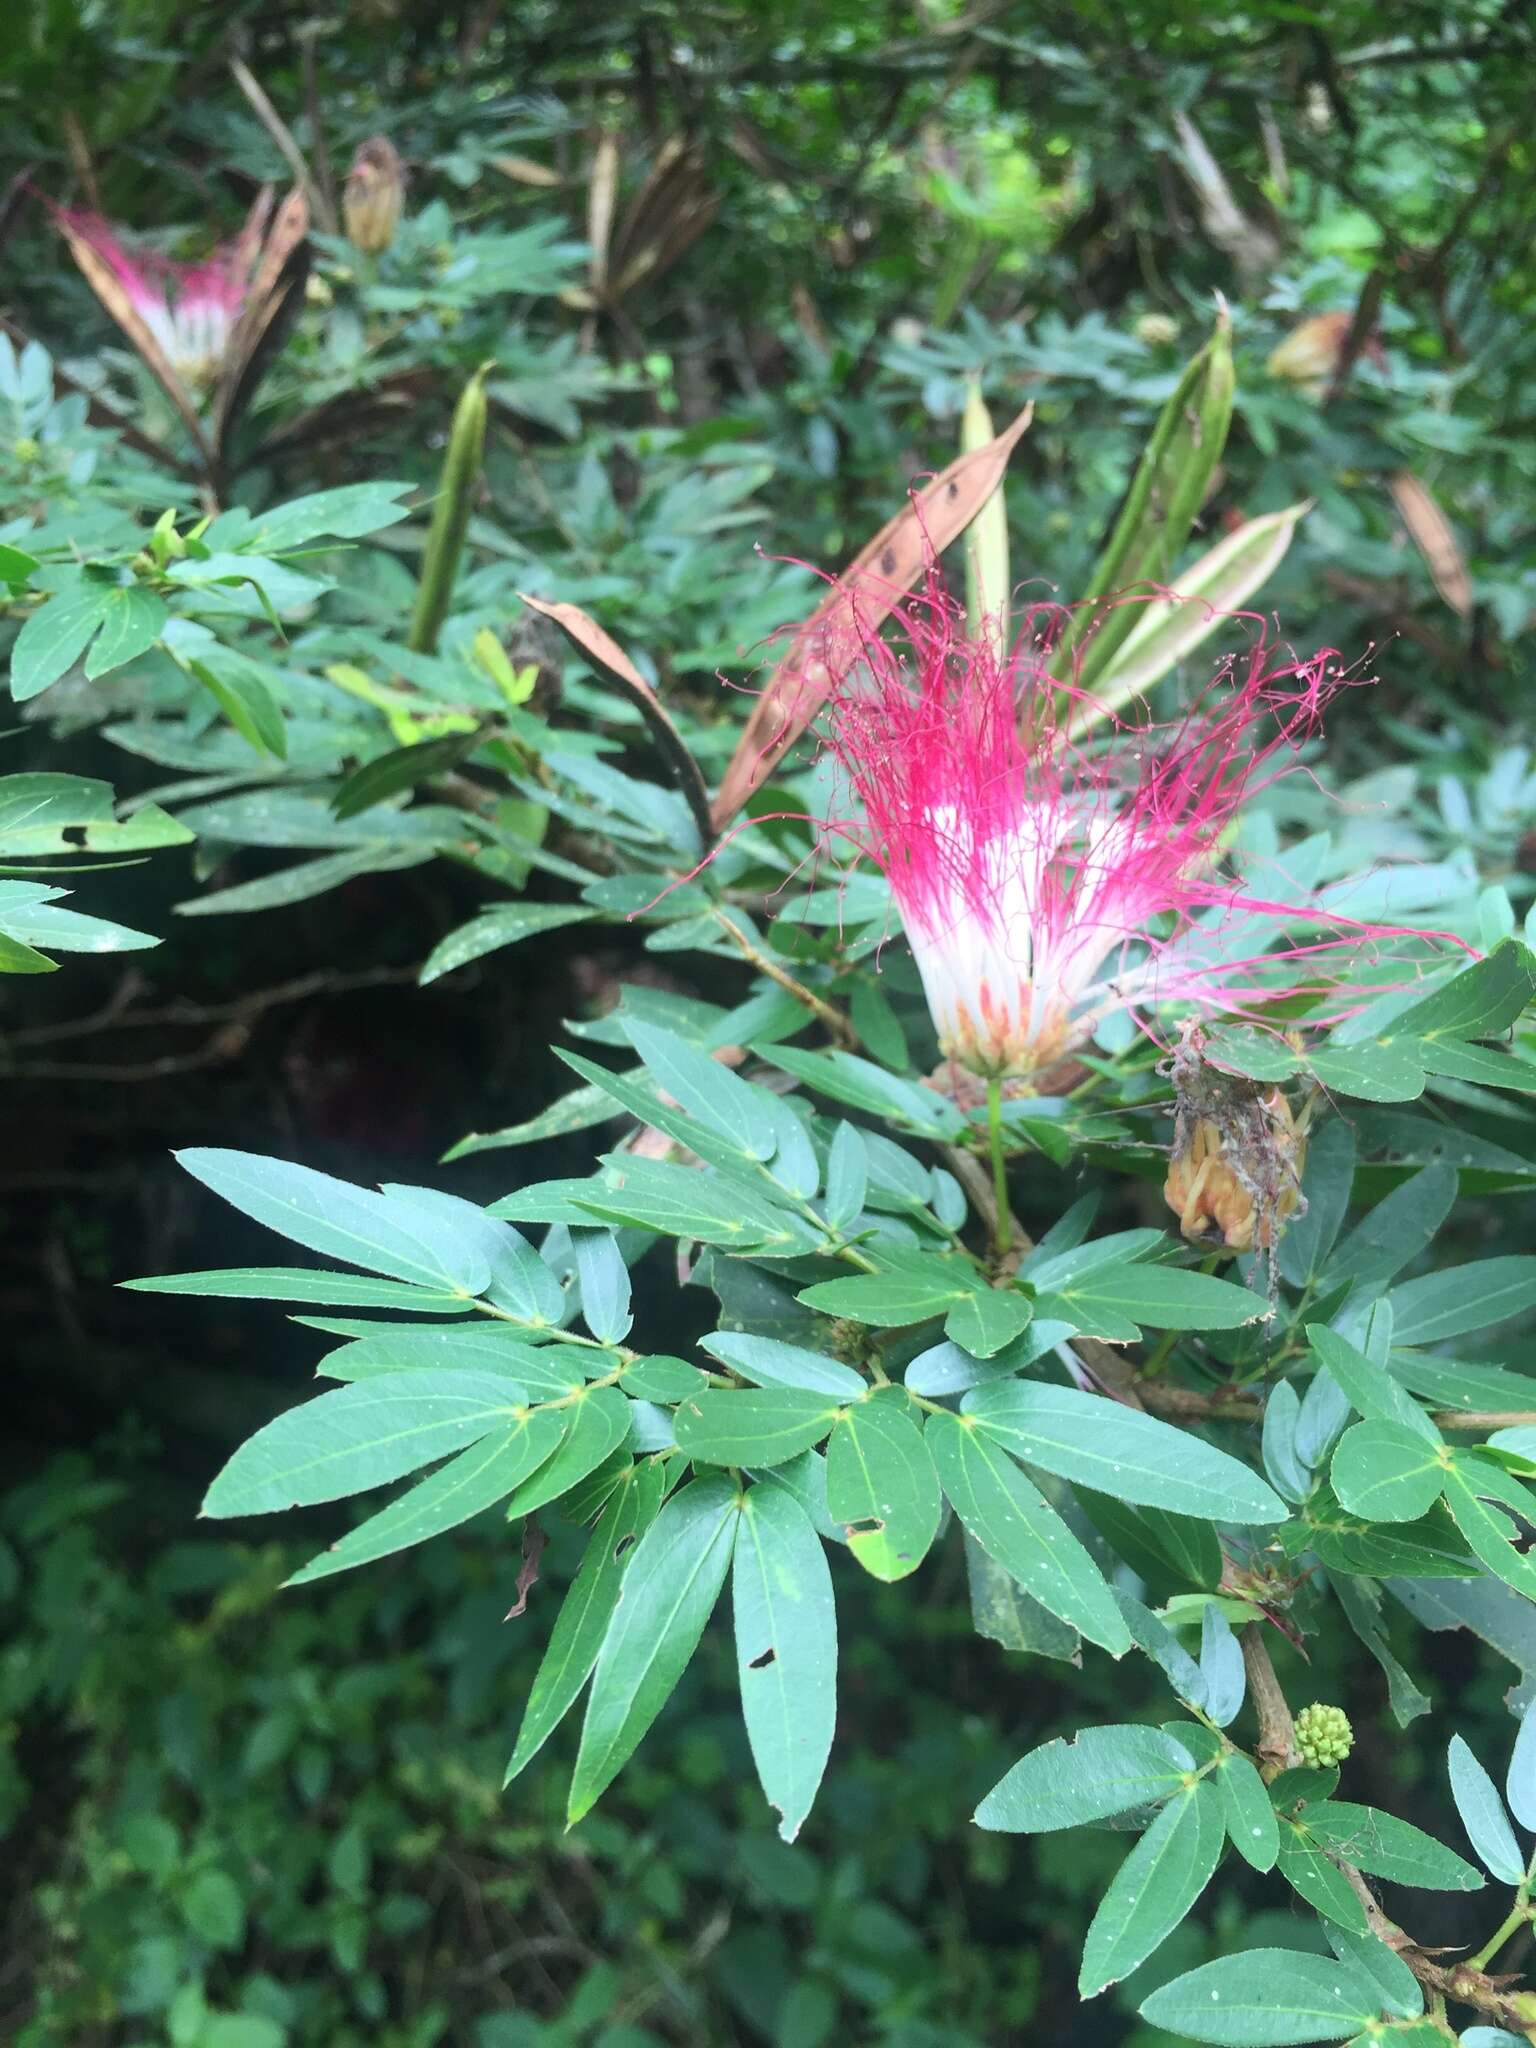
{"x":583,"y":1619}
{"x":340,"y":1221}
{"x":752,"y":1425}
{"x":771,"y":1363}
{"x":1483,"y":1814}
{"x":669,"y":1591}
{"x":1384,"y":1472}
{"x":466,"y":1486}
{"x":1120,"y":1452}
{"x":881,"y":1485}
{"x":1250,"y":1813}
{"x":1266,"y":1998}
{"x":1014,"y":1525}
{"x":786,"y":1650}
{"x":361,"y":1436}
{"x":1155,"y":1888}
{"x":1099,"y":1773}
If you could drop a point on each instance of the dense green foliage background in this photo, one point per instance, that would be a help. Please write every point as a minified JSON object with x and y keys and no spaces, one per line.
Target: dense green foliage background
{"x":235,"y":1820}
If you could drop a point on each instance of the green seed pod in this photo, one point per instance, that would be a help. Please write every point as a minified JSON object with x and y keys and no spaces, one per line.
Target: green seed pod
{"x":1166,"y":492}
{"x":1323,"y":1735}
{"x":450,"y":514}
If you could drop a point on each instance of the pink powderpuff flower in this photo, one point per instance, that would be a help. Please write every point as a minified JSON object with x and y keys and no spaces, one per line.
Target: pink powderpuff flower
{"x":1052,"y":864}
{"x":189,"y":308}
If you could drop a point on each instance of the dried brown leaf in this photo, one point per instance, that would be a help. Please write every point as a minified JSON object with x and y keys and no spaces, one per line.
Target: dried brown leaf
{"x":1430,"y":532}
{"x":873,"y":582}
{"x":609,"y":659}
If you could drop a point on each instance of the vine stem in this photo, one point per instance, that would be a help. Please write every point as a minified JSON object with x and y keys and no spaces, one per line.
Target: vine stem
{"x":1002,"y":1225}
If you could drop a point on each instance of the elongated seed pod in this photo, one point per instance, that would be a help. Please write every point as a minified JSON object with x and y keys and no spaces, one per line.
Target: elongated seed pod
{"x":450,"y":514}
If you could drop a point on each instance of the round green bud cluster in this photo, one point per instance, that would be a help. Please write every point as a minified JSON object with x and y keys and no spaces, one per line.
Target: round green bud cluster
{"x":1323,"y":1735}
{"x":1156,"y":330}
{"x":26,"y":449}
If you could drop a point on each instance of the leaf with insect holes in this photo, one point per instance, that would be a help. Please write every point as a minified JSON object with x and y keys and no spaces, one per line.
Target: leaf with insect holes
{"x":881,"y":1486}
{"x":786,"y":1649}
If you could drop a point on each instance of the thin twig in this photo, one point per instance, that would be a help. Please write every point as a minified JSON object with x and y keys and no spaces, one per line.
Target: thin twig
{"x":827,"y":1013}
{"x":282,"y":135}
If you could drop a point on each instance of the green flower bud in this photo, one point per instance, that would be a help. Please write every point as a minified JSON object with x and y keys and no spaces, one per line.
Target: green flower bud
{"x":1323,"y":1735}
{"x":26,"y":449}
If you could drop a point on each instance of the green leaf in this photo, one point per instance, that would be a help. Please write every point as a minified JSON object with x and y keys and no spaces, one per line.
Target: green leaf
{"x":1221,"y":1667}
{"x":1483,"y":1815}
{"x":1155,"y":1888}
{"x":1370,"y":1389}
{"x":1160,"y":1297}
{"x":1100,"y":1773}
{"x":1309,"y":1871}
{"x":341,"y":1221}
{"x":215,"y":1909}
{"x":1396,"y":1230}
{"x":544,"y":1372}
{"x":720,"y":1100}
{"x":305,"y":879}
{"x":771,"y":1363}
{"x":580,"y":1110}
{"x":348,"y":512}
{"x":847,"y":1176}
{"x":299,"y":1283}
{"x":598,"y":1423}
{"x":1384,"y":1846}
{"x":55,"y":636}
{"x":1158,"y":1546}
{"x":466,"y":1486}
{"x":402,"y":768}
{"x":1520,"y":1784}
{"x":494,"y":929}
{"x":361,"y":1436}
{"x":752,"y":1426}
{"x":1456,"y":1061}
{"x":1250,"y":1815}
{"x":1487,"y":1530}
{"x":1386,"y":1473}
{"x":131,"y":619}
{"x":881,"y":1485}
{"x":1457,"y":1299}
{"x":1017,"y":1528}
{"x":606,"y":1296}
{"x":1266,"y":1998}
{"x":1369,"y":1956}
{"x":682,"y":1201}
{"x":246,"y":702}
{"x":1124,"y":1454}
{"x":1482,"y":1002}
{"x":913,"y":1292}
{"x":659,"y":1378}
{"x":670,"y":1588}
{"x":846,"y":1078}
{"x":1382,"y":1071}
{"x":1326,"y":1183}
{"x":16,"y":566}
{"x":984,"y":1323}
{"x":1004,"y":1613}
{"x":786,"y":1650}
{"x":588,"y":1607}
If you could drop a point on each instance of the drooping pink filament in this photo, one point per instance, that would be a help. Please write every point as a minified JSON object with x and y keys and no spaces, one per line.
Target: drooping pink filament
{"x":1051,"y":863}
{"x":189,"y":308}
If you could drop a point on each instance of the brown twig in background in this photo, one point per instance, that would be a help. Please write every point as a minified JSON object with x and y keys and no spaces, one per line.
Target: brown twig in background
{"x":840,"y":1026}
{"x":288,"y":149}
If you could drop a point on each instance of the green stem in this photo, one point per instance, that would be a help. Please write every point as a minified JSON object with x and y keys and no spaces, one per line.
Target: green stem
{"x":1002,"y":1228}
{"x":1518,"y":1916}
